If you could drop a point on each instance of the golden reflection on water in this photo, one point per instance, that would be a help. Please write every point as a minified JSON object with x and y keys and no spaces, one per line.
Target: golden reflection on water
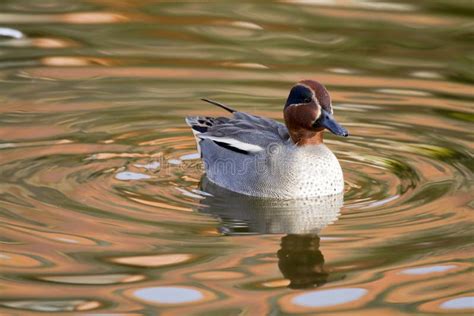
{"x":329,"y":79}
{"x":154,"y":261}
{"x":101,"y":201}
{"x":70,"y":18}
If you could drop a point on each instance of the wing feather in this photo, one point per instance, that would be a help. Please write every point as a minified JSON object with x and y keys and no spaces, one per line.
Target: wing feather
{"x":243,"y":133}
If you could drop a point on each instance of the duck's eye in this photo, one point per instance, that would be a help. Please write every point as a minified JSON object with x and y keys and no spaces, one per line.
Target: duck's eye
{"x":307,"y":100}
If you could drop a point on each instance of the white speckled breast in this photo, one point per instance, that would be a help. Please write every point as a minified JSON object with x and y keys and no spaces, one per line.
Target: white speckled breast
{"x":282,"y":171}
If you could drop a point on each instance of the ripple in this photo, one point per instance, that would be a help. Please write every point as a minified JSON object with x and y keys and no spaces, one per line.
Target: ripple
{"x":72,"y":18}
{"x":430,"y":288}
{"x":218,"y":275}
{"x":154,"y":260}
{"x":428,"y":269}
{"x":16,"y":260}
{"x":462,"y":303}
{"x":97,"y":279}
{"x":127,"y":175}
{"x":53,"y":305}
{"x":403,"y":92}
{"x":48,"y":6}
{"x":246,"y":25}
{"x":385,"y":6}
{"x":149,"y":166}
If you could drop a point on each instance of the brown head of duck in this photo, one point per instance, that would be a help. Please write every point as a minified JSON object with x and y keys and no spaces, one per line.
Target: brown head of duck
{"x":308,"y":112}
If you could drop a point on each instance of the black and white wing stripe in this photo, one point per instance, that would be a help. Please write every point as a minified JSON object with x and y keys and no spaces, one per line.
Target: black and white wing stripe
{"x":202,"y":129}
{"x":242,"y":133}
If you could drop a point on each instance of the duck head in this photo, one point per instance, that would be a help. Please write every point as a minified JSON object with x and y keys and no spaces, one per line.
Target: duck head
{"x":308,"y":112}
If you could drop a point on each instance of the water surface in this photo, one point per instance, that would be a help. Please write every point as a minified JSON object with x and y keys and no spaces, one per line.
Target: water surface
{"x":101,"y":205}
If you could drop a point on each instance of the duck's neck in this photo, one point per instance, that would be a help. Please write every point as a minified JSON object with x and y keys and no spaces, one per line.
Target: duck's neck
{"x":305,"y":137}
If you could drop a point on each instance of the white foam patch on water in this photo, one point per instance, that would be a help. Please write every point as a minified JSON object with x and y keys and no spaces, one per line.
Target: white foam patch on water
{"x":466,"y":302}
{"x":330,"y":297}
{"x":247,"y":25}
{"x":403,"y":92}
{"x":426,"y":74}
{"x":428,"y":269}
{"x":8,"y":32}
{"x":382,"y":202}
{"x":189,"y":194}
{"x":88,"y":279}
{"x":190,"y":156}
{"x":7,"y":145}
{"x":169,"y":295}
{"x":332,"y":238}
{"x":245,"y":65}
{"x":148,"y":166}
{"x":383,"y":6}
{"x":201,"y":192}
{"x":341,"y":70}
{"x":174,"y":162}
{"x":311,"y":2}
{"x":127,"y":175}
{"x":71,"y":241}
{"x":46,"y":306}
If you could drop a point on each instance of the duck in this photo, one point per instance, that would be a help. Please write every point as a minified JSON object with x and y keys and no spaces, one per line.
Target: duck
{"x":260,"y":157}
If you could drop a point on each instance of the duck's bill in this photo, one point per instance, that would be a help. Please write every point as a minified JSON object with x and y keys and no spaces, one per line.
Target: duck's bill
{"x":328,"y":121}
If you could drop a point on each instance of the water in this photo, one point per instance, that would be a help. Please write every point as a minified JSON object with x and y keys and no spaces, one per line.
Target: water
{"x":100,"y":203}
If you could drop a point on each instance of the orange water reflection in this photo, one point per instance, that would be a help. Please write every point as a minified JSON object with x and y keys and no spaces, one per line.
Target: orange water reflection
{"x":102,"y":205}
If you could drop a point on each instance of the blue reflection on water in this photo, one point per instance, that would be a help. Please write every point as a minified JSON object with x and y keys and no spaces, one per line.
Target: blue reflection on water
{"x":126,"y":175}
{"x":329,"y":297}
{"x":428,"y":269}
{"x":459,"y":303}
{"x":169,"y":295}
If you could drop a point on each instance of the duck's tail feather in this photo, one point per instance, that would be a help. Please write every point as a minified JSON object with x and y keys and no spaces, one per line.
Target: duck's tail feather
{"x":199,"y":125}
{"x":223,"y":106}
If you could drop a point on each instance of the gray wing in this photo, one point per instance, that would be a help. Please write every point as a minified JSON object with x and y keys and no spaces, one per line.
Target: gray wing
{"x":243,"y":133}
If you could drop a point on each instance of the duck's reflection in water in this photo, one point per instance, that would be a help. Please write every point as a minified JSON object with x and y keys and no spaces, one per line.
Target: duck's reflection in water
{"x":301,"y":261}
{"x":299,"y":257}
